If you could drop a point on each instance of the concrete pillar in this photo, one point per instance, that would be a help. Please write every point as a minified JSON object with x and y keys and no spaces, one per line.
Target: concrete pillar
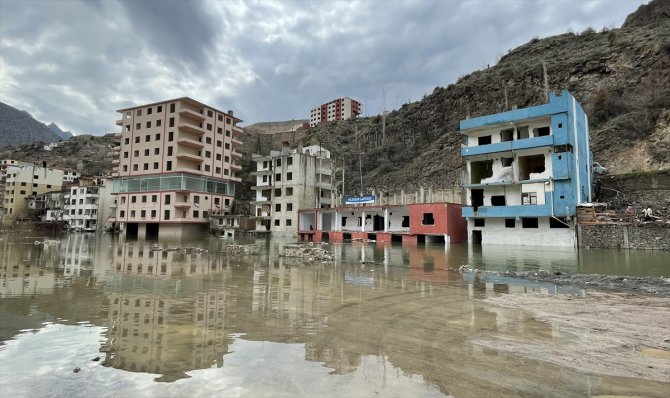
{"x":337,"y":221}
{"x":363,"y":221}
{"x":386,"y":219}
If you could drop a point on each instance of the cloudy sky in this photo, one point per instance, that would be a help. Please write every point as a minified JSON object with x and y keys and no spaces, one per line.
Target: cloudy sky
{"x":77,"y":62}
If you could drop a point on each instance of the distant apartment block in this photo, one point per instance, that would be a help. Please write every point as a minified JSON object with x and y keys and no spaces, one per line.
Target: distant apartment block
{"x":88,"y":206}
{"x":25,"y":180}
{"x":339,"y":109}
{"x":289,"y":180}
{"x":178,"y":161}
{"x":526,"y":170}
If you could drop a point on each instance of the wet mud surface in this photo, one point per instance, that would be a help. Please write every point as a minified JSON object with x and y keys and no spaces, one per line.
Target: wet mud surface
{"x":616,"y":334}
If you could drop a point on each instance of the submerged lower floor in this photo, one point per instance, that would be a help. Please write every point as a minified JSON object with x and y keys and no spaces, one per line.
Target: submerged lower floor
{"x":523,"y":231}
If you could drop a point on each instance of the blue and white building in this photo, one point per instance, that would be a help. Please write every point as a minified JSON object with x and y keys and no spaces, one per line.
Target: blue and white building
{"x":526,"y":170}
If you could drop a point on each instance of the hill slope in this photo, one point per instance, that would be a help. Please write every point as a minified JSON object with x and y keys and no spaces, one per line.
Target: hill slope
{"x":621,"y":77}
{"x":18,"y":127}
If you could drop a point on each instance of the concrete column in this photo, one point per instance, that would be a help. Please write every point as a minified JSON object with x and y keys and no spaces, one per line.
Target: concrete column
{"x":386,"y":219}
{"x":363,"y":221}
{"x":337,"y":221}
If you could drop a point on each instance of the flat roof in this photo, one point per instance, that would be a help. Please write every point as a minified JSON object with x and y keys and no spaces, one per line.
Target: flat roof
{"x":186,"y":99}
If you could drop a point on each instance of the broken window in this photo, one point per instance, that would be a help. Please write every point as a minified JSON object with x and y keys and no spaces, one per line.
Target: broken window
{"x":485,"y":140}
{"x":531,"y":166}
{"x":529,"y":222}
{"x":498,"y":200}
{"x":480,"y":170}
{"x":510,"y":223}
{"x":506,"y":135}
{"x":344,"y":221}
{"x":477,"y":198}
{"x":428,"y":219}
{"x":541,"y":131}
{"x":405,"y":222}
{"x":529,"y":198}
{"x":480,"y":222}
{"x":506,"y":162}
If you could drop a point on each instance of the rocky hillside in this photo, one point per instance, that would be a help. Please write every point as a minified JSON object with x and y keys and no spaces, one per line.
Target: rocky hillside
{"x":18,"y":127}
{"x":91,"y":155}
{"x":64,"y":135}
{"x":621,"y":77}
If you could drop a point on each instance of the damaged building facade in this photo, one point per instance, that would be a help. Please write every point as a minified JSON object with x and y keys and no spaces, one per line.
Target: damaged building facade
{"x":289,"y":180}
{"x":525,"y":172}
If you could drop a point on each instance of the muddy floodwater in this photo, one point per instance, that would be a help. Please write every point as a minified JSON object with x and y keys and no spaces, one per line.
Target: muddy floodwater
{"x":92,"y":316}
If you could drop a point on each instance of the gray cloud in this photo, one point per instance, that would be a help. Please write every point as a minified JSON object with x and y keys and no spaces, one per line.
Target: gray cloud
{"x":75,"y":63}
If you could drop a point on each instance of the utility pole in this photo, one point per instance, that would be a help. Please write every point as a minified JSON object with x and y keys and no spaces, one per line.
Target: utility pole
{"x":360,"y":168}
{"x":384,"y":118}
{"x":546,"y":82}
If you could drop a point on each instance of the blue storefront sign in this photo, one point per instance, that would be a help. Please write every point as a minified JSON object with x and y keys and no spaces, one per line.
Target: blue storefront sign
{"x":354,"y":200}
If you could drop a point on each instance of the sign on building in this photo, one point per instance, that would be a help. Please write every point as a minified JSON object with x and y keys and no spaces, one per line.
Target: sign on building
{"x":354,"y":200}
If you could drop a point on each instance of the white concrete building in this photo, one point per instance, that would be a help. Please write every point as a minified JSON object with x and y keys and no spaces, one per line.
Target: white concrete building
{"x":87,"y":208}
{"x":25,"y":180}
{"x":289,"y":180}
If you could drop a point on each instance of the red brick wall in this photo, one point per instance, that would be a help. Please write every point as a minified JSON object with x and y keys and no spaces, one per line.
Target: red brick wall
{"x":456,"y":224}
{"x":439,"y":211}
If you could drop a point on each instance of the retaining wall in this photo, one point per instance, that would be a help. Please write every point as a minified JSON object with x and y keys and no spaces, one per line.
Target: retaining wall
{"x":625,"y":236}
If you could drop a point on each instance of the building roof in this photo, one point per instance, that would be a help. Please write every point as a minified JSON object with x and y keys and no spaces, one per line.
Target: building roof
{"x":185,"y":99}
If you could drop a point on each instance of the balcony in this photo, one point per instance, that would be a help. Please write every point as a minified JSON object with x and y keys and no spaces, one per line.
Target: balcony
{"x":191,"y":114}
{"x":236,"y":142}
{"x":235,"y":179}
{"x":190,"y":157}
{"x":191,"y":128}
{"x":260,"y":201}
{"x":119,"y":122}
{"x":116,"y":149}
{"x":182,"y":205}
{"x":508,"y":146}
{"x":235,"y":154}
{"x":190,"y":143}
{"x":116,"y":162}
{"x":324,"y":170}
{"x":235,"y":166}
{"x":261,"y":172}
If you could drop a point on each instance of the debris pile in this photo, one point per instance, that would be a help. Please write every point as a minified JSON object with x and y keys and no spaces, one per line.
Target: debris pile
{"x":47,"y":242}
{"x":308,"y":252}
{"x":240,"y":249}
{"x":182,"y":250}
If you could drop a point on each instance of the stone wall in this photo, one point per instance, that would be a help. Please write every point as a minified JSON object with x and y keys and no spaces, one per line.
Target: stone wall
{"x":643,"y":236}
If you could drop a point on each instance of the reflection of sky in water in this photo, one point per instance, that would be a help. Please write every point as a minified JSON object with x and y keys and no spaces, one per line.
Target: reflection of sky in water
{"x":382,"y":320}
{"x":252,"y":369}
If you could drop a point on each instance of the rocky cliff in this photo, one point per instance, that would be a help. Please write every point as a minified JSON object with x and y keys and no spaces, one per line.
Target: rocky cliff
{"x":621,"y":77}
{"x":18,"y":127}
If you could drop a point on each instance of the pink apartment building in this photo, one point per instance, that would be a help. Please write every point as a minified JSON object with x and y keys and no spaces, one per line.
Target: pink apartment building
{"x":177,"y":162}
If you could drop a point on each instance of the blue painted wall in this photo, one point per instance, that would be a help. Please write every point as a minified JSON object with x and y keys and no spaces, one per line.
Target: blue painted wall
{"x":571,"y":170}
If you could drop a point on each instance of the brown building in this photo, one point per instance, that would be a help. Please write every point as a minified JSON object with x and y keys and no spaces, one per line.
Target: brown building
{"x":178,"y":161}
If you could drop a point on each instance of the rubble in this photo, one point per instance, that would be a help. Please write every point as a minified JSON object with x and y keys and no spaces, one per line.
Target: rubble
{"x":308,"y":252}
{"x":182,"y":250}
{"x":47,"y":242}
{"x":240,"y":249}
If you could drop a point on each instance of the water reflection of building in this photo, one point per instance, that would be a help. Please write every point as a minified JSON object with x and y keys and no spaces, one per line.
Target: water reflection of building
{"x":24,"y":269}
{"x":142,"y":259}
{"x":157,"y":333}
